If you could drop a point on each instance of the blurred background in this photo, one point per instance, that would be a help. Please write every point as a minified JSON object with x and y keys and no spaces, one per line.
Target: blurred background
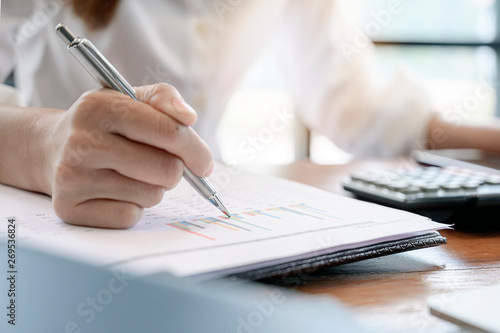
{"x":452,"y":45}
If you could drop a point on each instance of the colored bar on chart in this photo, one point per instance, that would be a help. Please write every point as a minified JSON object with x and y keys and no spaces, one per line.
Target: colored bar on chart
{"x":182,"y":227}
{"x":284,"y":209}
{"x":258,"y":212}
{"x":191,"y":224}
{"x":212,"y":221}
{"x":221,"y":221}
{"x":313,"y":210}
{"x":237,"y":218}
{"x":234,"y":223}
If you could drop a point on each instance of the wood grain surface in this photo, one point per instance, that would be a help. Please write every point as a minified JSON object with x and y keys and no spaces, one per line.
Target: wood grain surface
{"x":389,"y":294}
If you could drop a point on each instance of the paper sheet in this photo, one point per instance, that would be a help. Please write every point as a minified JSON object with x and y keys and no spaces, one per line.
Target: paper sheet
{"x":272,"y":221}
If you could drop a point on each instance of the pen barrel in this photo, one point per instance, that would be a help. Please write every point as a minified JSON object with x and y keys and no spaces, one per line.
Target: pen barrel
{"x":99,"y":67}
{"x":200,"y":184}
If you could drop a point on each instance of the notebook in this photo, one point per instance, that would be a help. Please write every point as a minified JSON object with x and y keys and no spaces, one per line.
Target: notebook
{"x":277,"y":227}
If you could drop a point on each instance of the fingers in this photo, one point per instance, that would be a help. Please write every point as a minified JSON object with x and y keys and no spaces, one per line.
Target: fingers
{"x":144,"y":124}
{"x":145,"y":163}
{"x":108,"y":184}
{"x":104,"y":213}
{"x":108,"y":190}
{"x":155,"y":129}
{"x":166,"y":99}
{"x":116,"y":156}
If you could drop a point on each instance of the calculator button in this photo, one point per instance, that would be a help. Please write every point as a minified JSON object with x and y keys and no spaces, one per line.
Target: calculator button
{"x":358,"y":175}
{"x":381,"y":182}
{"x":438,"y":183}
{"x":493,"y":180}
{"x":479,"y":179}
{"x":459,"y":179}
{"x":413,"y":173}
{"x":418,"y":183}
{"x":411,"y":190}
{"x":457,"y":182}
{"x":471,"y":186}
{"x":451,"y":187}
{"x":430,"y":188}
{"x":481,"y":174}
{"x":428,"y":176}
{"x":398,"y":187}
{"x":370,"y":179}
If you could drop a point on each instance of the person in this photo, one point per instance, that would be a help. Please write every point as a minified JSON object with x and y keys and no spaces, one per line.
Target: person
{"x":103,"y":157}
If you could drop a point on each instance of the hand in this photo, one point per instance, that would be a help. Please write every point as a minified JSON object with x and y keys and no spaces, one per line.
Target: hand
{"x":114,"y":156}
{"x":443,"y":134}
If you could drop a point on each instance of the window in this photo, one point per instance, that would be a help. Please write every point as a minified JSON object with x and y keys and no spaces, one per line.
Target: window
{"x":450,"y":44}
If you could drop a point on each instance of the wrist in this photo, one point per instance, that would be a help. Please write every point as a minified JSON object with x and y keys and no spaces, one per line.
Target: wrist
{"x":26,"y":152}
{"x":41,"y":148}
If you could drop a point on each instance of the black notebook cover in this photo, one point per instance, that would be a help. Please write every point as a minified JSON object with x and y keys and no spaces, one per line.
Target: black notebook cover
{"x":304,"y":266}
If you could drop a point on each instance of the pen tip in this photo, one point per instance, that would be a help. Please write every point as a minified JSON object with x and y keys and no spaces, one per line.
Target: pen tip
{"x":218,"y":203}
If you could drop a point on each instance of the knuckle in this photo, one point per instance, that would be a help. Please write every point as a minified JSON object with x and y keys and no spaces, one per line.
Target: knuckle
{"x":100,"y":109}
{"x":171,"y":130}
{"x":173,"y":168}
{"x":89,"y":101}
{"x":75,"y":149}
{"x":65,"y":210}
{"x":165,"y":88}
{"x":59,"y":206}
{"x":154,"y":196}
{"x":84,"y":109}
{"x":90,"y":97}
{"x":62,"y":176}
{"x":73,"y":140}
{"x":120,"y":106}
{"x":127,"y":217}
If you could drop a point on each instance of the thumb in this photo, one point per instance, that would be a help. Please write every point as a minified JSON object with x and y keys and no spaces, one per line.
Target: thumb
{"x":166,"y":99}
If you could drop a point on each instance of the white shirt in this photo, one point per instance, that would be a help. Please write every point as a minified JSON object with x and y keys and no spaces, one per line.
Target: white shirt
{"x":204,"y":47}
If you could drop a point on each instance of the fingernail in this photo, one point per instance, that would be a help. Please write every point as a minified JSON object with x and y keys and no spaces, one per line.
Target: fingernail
{"x":181,"y":106}
{"x":211,"y":170}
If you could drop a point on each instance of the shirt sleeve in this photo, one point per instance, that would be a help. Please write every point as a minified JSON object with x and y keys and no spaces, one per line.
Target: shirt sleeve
{"x":14,"y":15}
{"x":330,"y":69}
{"x":8,"y":95}
{"x":7,"y":53}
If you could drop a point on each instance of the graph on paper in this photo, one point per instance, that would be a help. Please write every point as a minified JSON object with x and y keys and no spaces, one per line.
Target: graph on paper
{"x":249,"y":221}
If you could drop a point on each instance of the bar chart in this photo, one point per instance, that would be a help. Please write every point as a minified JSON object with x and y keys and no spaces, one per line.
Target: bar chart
{"x":268,"y":219}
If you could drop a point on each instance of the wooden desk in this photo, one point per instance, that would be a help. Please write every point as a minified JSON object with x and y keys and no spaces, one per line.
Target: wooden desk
{"x":390,"y":293}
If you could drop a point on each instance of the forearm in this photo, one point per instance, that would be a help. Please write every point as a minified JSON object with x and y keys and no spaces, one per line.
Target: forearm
{"x":446,"y":135}
{"x":24,"y":149}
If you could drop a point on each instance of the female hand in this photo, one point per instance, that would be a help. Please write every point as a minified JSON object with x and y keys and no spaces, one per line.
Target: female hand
{"x":113,"y":156}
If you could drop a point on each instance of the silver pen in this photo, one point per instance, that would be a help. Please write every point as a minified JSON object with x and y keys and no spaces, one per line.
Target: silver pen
{"x":104,"y":73}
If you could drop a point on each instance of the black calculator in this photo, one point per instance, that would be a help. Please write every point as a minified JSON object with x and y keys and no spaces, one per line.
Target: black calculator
{"x":429,"y":190}
{"x":425,"y":187}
